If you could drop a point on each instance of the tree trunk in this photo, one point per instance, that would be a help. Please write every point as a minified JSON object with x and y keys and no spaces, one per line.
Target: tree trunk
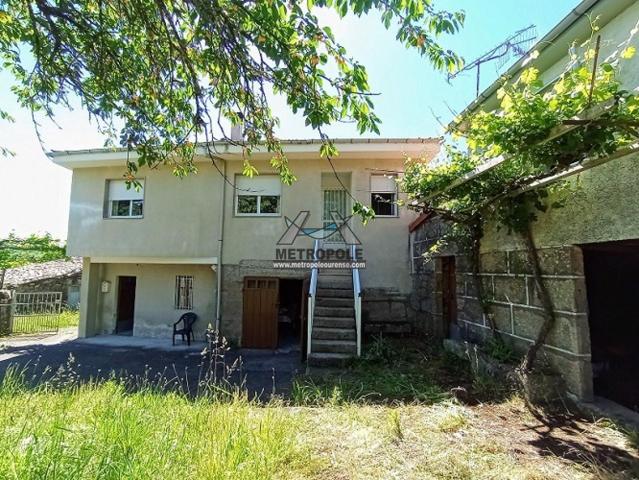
{"x":544,"y":297}
{"x":2,"y":273}
{"x":476,"y":234}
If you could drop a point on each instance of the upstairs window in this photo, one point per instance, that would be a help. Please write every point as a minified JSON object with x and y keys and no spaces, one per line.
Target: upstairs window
{"x":184,"y":292}
{"x":384,"y":195}
{"x":259,"y":195}
{"x":125,"y":202}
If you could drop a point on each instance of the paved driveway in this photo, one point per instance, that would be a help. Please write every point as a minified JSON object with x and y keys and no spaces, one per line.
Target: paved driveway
{"x":134,"y":359}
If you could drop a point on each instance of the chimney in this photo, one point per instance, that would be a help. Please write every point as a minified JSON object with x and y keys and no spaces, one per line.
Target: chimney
{"x":237,"y":130}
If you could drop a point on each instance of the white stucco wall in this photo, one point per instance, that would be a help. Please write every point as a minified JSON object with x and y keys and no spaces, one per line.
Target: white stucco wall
{"x":155,"y":311}
{"x":180,"y":215}
{"x":384,"y":240}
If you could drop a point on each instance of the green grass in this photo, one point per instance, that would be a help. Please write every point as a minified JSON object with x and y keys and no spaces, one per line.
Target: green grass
{"x":69,"y":318}
{"x":34,"y":324}
{"x":390,"y":372}
{"x":103,"y":432}
{"x":389,"y":415}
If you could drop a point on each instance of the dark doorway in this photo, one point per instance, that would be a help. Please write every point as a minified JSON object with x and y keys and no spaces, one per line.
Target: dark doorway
{"x":449,"y":297}
{"x":259,"y":319}
{"x":126,"y":305}
{"x":290,"y":313}
{"x":612,"y":282}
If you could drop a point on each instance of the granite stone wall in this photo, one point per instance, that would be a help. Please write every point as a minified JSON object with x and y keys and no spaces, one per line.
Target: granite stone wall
{"x":57,"y":284}
{"x":514,"y":305}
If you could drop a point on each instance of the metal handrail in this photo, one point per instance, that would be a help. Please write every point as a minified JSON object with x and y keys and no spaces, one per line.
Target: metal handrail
{"x":312,"y":292}
{"x":357,"y":298}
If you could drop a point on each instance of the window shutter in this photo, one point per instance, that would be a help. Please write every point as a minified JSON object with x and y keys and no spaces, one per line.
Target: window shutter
{"x":383,"y":183}
{"x":118,"y":191}
{"x":259,"y":185}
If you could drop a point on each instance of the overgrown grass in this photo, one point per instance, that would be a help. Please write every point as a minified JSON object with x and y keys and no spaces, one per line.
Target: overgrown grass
{"x":69,"y":318}
{"x":99,"y":431}
{"x":390,"y":415}
{"x":393,"y":371}
{"x":34,"y":324}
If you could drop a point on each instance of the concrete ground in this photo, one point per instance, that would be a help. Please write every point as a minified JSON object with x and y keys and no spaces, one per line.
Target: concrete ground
{"x":140,"y":359}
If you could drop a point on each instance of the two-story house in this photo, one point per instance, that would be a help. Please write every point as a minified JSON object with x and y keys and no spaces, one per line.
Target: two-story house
{"x":214,"y":243}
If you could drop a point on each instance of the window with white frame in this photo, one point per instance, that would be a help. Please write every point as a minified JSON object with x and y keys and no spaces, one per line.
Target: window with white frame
{"x":183,"y":292}
{"x":260,"y":195}
{"x":123,"y":201}
{"x":384,"y":195}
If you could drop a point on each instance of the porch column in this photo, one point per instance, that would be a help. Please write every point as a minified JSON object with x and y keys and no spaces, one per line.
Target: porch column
{"x":89,"y":295}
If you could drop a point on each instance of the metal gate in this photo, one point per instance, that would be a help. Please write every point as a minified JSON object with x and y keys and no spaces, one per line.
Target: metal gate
{"x":36,"y":312}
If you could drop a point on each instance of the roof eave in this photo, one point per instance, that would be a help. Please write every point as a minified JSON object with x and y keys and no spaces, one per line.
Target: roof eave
{"x":550,"y":49}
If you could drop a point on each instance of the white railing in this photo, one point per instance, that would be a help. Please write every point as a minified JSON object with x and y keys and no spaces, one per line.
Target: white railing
{"x":357,"y":297}
{"x":312,"y":292}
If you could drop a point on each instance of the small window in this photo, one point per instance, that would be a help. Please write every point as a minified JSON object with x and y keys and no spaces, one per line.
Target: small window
{"x":384,"y":195}
{"x":183,"y":292}
{"x":123,"y":201}
{"x":260,"y":195}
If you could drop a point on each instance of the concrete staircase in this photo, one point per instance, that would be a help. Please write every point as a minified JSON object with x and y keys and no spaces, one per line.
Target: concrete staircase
{"x":333,"y":339}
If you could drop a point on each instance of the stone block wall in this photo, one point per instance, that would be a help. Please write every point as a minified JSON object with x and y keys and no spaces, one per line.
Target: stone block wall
{"x":517,"y":313}
{"x":57,"y":284}
{"x":386,"y":311}
{"x":425,"y":299}
{"x":508,"y":285}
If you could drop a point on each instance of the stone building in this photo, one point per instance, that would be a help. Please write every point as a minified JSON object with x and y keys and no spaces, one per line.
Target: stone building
{"x":55,"y":276}
{"x":589,"y":250}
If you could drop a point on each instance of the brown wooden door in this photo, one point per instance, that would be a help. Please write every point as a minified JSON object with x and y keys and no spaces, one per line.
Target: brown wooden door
{"x":126,"y":304}
{"x":259,"y":323}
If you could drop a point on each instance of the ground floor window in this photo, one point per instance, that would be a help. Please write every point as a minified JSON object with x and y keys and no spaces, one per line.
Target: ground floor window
{"x":184,"y":292}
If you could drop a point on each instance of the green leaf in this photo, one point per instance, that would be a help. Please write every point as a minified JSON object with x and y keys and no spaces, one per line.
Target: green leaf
{"x":628,"y":53}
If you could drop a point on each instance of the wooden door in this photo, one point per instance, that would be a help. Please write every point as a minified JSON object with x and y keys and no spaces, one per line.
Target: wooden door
{"x":126,"y":304}
{"x":259,"y":322}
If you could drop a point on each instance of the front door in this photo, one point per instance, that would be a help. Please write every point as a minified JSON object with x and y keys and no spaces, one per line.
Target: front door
{"x":335,"y":201}
{"x":126,"y":305}
{"x":259,"y":320}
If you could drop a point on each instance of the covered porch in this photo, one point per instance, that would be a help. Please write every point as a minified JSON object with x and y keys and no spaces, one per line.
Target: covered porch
{"x":144,"y":297}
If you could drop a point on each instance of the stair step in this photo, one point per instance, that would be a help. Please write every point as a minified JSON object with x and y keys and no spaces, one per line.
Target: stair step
{"x":334,"y":311}
{"x":333,"y":302}
{"x":333,"y":322}
{"x":324,"y":333}
{"x":334,"y":282}
{"x":334,"y":272}
{"x":318,"y":359}
{"x":334,"y":346}
{"x":335,"y":292}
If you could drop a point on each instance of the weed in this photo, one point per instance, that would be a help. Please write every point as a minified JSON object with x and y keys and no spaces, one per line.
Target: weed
{"x":395,"y":425}
{"x":500,"y":350}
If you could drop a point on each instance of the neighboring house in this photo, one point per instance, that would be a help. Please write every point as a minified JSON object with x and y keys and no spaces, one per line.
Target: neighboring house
{"x":589,"y":250}
{"x":210,"y":246}
{"x":54,"y":276}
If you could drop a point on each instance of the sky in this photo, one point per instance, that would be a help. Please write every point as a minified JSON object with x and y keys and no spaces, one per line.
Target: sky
{"x":413,"y":100}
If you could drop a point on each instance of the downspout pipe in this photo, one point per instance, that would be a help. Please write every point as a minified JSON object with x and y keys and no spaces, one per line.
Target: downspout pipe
{"x":220,"y":251}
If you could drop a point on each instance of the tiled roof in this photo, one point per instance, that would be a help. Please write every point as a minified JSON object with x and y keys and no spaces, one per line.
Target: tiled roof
{"x":41,"y":271}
